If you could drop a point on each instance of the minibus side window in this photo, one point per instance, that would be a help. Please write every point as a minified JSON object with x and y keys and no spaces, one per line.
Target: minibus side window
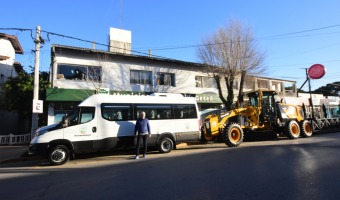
{"x":87,"y":114}
{"x":116,"y":112}
{"x":73,"y":117}
{"x":81,"y":115}
{"x":185,"y":111}
{"x":155,"y":111}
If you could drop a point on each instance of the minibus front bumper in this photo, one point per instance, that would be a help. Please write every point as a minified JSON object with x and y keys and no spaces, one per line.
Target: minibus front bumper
{"x":39,"y":149}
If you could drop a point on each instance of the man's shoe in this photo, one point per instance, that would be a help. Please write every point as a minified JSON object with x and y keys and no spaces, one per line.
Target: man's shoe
{"x":136,"y":157}
{"x":144,"y":156}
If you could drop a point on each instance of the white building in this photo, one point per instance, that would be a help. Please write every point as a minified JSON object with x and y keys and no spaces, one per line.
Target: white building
{"x":9,"y":47}
{"x":77,"y":73}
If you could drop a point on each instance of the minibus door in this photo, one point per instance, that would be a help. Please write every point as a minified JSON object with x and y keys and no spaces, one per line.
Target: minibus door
{"x":82,"y":129}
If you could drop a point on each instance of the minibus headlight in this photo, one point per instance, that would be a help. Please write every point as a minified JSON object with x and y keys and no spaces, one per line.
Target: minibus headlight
{"x":42,"y":132}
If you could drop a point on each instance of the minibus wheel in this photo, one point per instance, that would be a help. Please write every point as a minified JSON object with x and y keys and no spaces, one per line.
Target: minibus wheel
{"x":59,"y":155}
{"x":165,"y":145}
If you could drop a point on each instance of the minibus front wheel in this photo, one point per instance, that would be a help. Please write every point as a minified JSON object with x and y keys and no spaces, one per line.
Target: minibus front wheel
{"x":59,"y":155}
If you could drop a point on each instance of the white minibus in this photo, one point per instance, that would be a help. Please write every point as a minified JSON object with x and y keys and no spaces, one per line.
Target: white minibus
{"x":106,"y":122}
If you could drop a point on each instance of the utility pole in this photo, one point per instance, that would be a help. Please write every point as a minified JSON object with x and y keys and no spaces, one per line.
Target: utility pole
{"x":36,"y":80}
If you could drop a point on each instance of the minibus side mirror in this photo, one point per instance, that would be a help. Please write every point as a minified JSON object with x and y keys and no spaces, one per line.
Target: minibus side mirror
{"x":65,"y":121}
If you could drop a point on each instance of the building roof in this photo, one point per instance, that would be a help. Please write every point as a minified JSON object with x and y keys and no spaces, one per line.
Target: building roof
{"x":15,"y":42}
{"x":149,"y":58}
{"x":274,"y":79}
{"x":156,"y":58}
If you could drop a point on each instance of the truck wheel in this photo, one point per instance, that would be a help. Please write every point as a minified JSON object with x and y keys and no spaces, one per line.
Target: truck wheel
{"x":204,"y":138}
{"x":165,"y":145}
{"x":306,"y":128}
{"x":59,"y":155}
{"x":292,"y":129}
{"x":233,"y":135}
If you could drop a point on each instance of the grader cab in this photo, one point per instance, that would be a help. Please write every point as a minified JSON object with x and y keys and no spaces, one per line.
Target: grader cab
{"x":261,"y":114}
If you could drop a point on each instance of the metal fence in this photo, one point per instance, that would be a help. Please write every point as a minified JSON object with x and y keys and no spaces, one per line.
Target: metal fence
{"x":15,"y":139}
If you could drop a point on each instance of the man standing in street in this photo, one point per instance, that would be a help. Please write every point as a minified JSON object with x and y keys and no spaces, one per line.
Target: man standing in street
{"x":142,"y":129}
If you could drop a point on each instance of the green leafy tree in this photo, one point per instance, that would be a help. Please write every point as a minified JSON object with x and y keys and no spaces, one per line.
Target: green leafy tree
{"x":331,"y":89}
{"x":17,"y":94}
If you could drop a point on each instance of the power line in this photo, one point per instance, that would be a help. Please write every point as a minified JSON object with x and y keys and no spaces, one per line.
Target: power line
{"x":20,"y":29}
{"x":304,"y":31}
{"x":175,"y":47}
{"x":172,"y":47}
{"x":258,"y":39}
{"x":88,"y":41}
{"x":82,"y":40}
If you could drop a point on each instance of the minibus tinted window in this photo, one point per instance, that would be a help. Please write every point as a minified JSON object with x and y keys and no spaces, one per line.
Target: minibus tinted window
{"x":87,"y":114}
{"x":155,"y":111}
{"x":81,"y":115}
{"x":116,"y":112}
{"x":185,"y":111}
{"x":74,"y":117}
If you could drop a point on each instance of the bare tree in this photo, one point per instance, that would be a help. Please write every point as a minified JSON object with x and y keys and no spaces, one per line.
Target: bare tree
{"x":229,"y":53}
{"x":95,"y":74}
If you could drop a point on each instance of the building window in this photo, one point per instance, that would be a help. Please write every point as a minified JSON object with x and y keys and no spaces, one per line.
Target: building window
{"x":77,"y":72}
{"x":289,"y":87}
{"x":235,"y":85}
{"x":165,"y":79}
{"x":140,"y":77}
{"x":204,"y":82}
{"x":199,"y":81}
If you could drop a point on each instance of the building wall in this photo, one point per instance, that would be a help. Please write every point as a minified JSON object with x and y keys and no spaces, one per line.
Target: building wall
{"x":6,"y":71}
{"x":116,"y":75}
{"x":7,"y":50}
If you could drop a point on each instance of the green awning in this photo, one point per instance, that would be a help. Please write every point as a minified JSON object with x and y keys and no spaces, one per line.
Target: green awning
{"x":59,"y":94}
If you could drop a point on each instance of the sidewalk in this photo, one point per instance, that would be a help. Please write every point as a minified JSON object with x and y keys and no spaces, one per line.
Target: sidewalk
{"x":12,"y":152}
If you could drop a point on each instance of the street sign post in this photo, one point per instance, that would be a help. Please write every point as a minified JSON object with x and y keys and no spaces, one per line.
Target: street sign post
{"x":37,"y":106}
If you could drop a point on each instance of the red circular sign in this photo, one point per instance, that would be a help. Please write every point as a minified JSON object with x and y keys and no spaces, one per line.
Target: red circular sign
{"x":316,"y":71}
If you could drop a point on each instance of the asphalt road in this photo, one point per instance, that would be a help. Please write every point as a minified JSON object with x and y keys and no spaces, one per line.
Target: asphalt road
{"x":282,"y":169}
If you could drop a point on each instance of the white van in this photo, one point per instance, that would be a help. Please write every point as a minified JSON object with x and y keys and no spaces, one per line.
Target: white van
{"x":107,"y":122}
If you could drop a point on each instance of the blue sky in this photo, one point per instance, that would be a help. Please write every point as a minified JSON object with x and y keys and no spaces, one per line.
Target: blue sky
{"x":294,"y":34}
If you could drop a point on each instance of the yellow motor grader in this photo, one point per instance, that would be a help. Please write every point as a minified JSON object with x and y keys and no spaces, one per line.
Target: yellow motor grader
{"x":261,"y":114}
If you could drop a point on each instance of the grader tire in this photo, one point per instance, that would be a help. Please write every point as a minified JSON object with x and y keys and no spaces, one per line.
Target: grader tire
{"x":306,"y":129}
{"x":292,"y":129}
{"x":205,"y":139}
{"x":233,"y":135}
